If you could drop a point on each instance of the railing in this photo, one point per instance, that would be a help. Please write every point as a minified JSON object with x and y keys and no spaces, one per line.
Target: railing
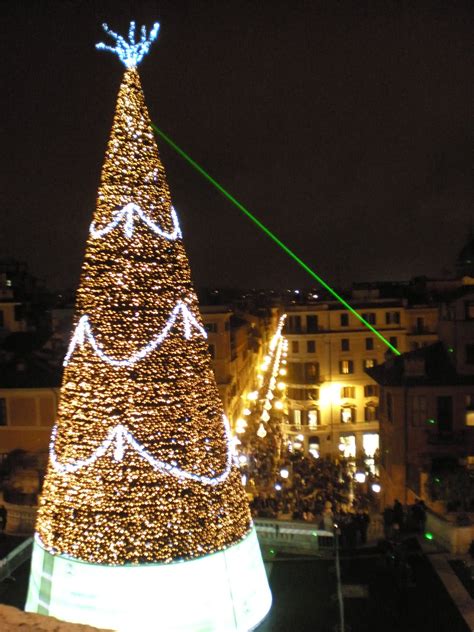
{"x":293,"y":536}
{"x":15,"y":558}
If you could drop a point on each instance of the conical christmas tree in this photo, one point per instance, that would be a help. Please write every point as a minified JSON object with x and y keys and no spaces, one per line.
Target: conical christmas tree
{"x":142,"y":511}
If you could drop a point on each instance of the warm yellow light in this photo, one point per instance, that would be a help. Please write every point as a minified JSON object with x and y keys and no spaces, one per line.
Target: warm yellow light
{"x":115,"y":507}
{"x":284,"y":473}
{"x":282,"y":371}
{"x":330,"y":393}
{"x":246,"y":411}
{"x":278,"y":405}
{"x":300,"y":437}
{"x":281,"y":386}
{"x":261,"y":432}
{"x":252,"y":396}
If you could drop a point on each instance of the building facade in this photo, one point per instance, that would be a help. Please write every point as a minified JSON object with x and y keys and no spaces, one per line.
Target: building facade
{"x":427,"y":408}
{"x":333,"y":404}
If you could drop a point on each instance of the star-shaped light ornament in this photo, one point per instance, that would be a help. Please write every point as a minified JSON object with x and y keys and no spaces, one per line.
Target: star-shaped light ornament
{"x":130,"y":53}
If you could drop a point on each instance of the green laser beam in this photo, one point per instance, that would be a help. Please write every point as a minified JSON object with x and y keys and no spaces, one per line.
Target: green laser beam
{"x":272,"y":236}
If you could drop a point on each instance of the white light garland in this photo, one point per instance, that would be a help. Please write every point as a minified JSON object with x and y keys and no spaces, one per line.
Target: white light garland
{"x":121,"y":437}
{"x":83,"y":331}
{"x":130,"y":53}
{"x":126,"y":214}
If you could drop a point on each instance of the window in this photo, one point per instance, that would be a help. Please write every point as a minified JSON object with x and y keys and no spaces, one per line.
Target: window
{"x":469,"y":349}
{"x":393,"y":341}
{"x":345,"y":344}
{"x":370,"y":443}
{"x":294,"y":324}
{"x":211,"y":328}
{"x":2,"y":319}
{"x":392,"y":318}
{"x":389,"y":406}
{"x":311,"y":371}
{"x":348,"y":445}
{"x":313,"y":417}
{"x":311,"y":346}
{"x":212,"y":351}
{"x":346,"y":367}
{"x":297,"y":418}
{"x":303,"y":394}
{"x":371,"y":390}
{"x":419,"y":410}
{"x":348,"y":391}
{"x":420,"y":325}
{"x":370,"y":412}
{"x":344,"y":320}
{"x":311,"y":324}
{"x":3,"y":412}
{"x":369,"y":363}
{"x":369,"y":344}
{"x":370,"y":317}
{"x":313,"y":446}
{"x":444,"y":409}
{"x":348,"y":415}
{"x":295,"y":346}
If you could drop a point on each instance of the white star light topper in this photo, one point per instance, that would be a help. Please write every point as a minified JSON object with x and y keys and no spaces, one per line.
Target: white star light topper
{"x":130,"y":53}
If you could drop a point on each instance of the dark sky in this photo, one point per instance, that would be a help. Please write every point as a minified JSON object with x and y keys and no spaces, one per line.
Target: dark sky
{"x":346,"y":127}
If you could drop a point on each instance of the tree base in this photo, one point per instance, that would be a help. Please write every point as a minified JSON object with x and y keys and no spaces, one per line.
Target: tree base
{"x":224,"y":592}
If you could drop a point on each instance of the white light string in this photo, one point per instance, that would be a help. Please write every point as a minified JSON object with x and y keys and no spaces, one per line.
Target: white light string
{"x":83,"y":331}
{"x":130,"y":53}
{"x":126,"y":214}
{"x":122,"y":438}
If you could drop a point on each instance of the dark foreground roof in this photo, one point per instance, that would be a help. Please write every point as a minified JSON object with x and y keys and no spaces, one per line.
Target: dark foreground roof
{"x":439,"y":369}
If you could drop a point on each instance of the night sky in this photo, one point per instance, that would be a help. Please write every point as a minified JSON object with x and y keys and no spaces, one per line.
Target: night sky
{"x":346,"y":127}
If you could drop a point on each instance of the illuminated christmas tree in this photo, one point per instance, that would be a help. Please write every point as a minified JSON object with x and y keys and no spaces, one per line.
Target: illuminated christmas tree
{"x":143,"y":523}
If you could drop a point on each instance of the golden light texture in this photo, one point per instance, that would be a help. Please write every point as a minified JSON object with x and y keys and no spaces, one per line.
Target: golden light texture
{"x":117,"y":512}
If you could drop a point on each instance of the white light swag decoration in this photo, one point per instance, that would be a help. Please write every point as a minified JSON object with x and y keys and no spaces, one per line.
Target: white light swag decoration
{"x":126,"y":215}
{"x":120,"y":437}
{"x":83,"y":330}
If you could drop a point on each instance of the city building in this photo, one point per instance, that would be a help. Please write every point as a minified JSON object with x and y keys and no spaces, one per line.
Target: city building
{"x":333,"y":404}
{"x":427,"y":408}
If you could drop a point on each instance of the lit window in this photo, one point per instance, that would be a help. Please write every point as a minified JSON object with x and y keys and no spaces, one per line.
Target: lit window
{"x":348,"y":415}
{"x":348,"y":391}
{"x":312,"y":418}
{"x":346,"y":367}
{"x":369,"y":363}
{"x":297,"y":418}
{"x":469,"y":417}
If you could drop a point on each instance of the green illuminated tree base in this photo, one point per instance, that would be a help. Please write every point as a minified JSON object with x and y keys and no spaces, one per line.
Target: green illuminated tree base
{"x":223,"y":592}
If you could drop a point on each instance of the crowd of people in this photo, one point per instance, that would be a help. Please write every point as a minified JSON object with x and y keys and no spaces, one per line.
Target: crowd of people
{"x":317,"y":490}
